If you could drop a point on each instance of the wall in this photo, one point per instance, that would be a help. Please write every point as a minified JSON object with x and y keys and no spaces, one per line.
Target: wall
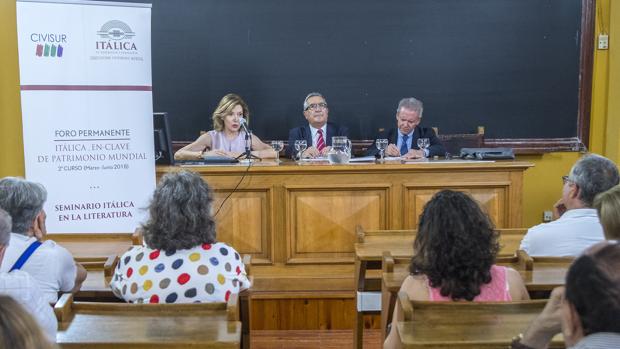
{"x":11,"y":144}
{"x":542,"y":183}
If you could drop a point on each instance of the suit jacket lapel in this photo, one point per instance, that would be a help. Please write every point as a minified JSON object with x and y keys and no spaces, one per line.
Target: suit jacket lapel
{"x":308,"y":135}
{"x":414,"y":138}
{"x":394,"y":136}
{"x":329,"y":133}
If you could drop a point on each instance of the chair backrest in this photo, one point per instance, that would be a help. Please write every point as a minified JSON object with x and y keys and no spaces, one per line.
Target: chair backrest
{"x":453,"y":143}
{"x":426,"y":310}
{"x":510,"y":240}
{"x":92,"y":245}
{"x":465,"y":324}
{"x":66,"y":307}
{"x":554,"y":260}
{"x":122,"y":325}
{"x":137,"y":237}
{"x":389,"y":262}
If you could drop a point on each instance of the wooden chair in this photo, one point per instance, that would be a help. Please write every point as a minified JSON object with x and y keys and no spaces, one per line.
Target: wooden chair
{"x":93,"y":245}
{"x":453,"y":143}
{"x":122,"y":325}
{"x":136,"y":237}
{"x":465,"y":324}
{"x":510,"y":240}
{"x":396,"y":269}
{"x":244,"y":296}
{"x":385,"y":234}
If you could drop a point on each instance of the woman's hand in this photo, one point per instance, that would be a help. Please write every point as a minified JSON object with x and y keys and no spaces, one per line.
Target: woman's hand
{"x":218,"y":152}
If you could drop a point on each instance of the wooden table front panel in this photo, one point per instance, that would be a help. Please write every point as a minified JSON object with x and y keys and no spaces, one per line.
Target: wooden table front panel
{"x":306,"y":214}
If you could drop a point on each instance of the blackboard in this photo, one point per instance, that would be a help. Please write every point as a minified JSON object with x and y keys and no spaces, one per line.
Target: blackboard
{"x":512,"y":66}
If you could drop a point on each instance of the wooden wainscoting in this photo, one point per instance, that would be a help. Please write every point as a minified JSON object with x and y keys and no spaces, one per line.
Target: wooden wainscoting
{"x":244,"y":221}
{"x":298,"y":222}
{"x":322,"y":219}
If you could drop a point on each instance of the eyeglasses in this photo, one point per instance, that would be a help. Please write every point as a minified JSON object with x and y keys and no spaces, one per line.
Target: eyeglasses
{"x":317,"y":106}
{"x":565,"y":180}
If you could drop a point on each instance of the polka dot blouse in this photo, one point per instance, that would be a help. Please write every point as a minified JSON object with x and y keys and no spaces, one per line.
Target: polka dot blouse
{"x":205,"y":273}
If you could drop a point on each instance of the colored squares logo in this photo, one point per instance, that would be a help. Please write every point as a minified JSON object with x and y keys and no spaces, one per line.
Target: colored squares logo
{"x":48,"y":50}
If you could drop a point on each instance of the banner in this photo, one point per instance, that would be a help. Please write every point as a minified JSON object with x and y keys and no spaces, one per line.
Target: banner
{"x":87,"y":111}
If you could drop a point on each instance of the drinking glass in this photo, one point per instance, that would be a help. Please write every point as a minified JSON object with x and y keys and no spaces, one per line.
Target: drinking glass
{"x":277,"y":147}
{"x":300,"y":146}
{"x":423,"y":143}
{"x":382,"y":144}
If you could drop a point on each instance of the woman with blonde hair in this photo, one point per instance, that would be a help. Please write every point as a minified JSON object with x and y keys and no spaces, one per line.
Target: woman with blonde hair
{"x":227,"y":137}
{"x":18,"y":329}
{"x":607,"y":205}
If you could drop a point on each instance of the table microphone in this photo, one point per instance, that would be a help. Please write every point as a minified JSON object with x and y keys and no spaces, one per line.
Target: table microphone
{"x":244,"y":124}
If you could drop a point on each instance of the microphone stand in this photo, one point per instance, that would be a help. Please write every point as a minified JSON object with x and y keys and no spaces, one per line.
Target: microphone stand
{"x":247,"y":154}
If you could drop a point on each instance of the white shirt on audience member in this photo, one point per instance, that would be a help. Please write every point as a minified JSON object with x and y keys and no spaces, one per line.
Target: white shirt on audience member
{"x":51,"y":265}
{"x":569,"y":235}
{"x":25,"y":290}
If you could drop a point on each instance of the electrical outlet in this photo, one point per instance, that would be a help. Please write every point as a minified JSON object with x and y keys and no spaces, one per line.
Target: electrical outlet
{"x":603,"y":41}
{"x":547,"y":216}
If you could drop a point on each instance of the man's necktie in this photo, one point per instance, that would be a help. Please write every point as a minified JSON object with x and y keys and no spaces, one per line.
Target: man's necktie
{"x":404,"y":149}
{"x":320,"y":142}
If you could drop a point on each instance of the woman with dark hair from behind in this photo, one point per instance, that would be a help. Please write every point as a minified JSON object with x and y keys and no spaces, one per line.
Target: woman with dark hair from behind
{"x":18,"y":329}
{"x":181,"y":261}
{"x":454,"y":256}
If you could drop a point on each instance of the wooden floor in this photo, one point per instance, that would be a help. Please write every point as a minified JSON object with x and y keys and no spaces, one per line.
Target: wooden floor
{"x":304,"y":339}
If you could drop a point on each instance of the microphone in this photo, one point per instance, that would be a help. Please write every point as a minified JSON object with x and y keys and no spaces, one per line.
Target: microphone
{"x":244,"y":124}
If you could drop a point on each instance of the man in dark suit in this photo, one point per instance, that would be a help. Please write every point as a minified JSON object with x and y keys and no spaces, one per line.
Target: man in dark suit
{"x":318,"y":132}
{"x":403,"y":139}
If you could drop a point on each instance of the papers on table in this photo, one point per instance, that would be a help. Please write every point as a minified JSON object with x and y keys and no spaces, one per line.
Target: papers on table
{"x":363,"y":159}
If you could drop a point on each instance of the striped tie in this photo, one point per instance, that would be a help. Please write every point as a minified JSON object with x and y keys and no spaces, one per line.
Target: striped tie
{"x":320,"y":142}
{"x":404,"y":148}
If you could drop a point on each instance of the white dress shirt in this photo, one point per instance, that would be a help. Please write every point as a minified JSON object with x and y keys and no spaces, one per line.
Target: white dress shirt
{"x":51,"y":265}
{"x":315,"y":135}
{"x":569,"y":235}
{"x":25,"y":290}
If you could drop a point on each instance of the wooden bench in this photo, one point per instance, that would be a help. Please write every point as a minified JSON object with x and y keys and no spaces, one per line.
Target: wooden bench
{"x":395,"y":270}
{"x":466,"y":324}
{"x":369,"y":249}
{"x":122,"y":325}
{"x":94,"y":245}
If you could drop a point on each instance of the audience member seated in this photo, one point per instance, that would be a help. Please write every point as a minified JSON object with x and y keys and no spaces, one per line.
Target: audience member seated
{"x":607,"y":206}
{"x":318,"y":132}
{"x":51,"y":265}
{"x":18,"y":330}
{"x":181,"y":261}
{"x":454,"y":255}
{"x":22,"y":287}
{"x":587,"y":310}
{"x":227,"y":137}
{"x":578,"y":226}
{"x":403,"y":140}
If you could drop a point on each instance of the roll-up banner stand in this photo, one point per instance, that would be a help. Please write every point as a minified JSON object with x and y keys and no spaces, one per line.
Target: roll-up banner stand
{"x":86,"y":97}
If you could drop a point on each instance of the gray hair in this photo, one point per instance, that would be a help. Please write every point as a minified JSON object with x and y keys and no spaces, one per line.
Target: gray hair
{"x":310,"y":95}
{"x":5,"y":228}
{"x":180,"y":213}
{"x":411,"y":104}
{"x":23,"y":200}
{"x":593,"y":174}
